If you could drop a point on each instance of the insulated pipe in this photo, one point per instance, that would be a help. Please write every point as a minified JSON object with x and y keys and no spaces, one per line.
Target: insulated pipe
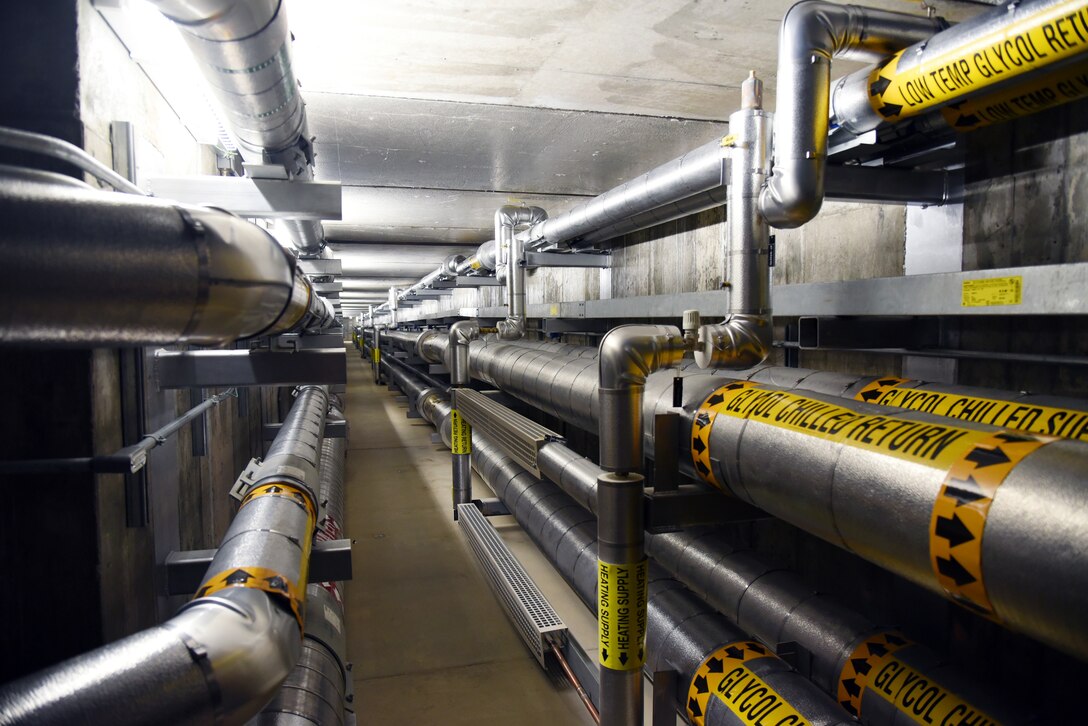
{"x":97,"y":268}
{"x":482,"y":260}
{"x":510,"y":252}
{"x":628,"y":354}
{"x":225,"y":653}
{"x":812,"y":33}
{"x":1008,"y":46}
{"x":317,"y":686}
{"x":777,"y":607}
{"x":694,"y":172}
{"x":684,"y":635}
{"x":1025,"y":572}
{"x":714,"y":197}
{"x":460,"y":335}
{"x":244,"y":51}
{"x":744,"y":338}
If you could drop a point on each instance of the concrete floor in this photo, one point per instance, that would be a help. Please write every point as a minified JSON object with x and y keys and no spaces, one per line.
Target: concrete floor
{"x":429,"y":642}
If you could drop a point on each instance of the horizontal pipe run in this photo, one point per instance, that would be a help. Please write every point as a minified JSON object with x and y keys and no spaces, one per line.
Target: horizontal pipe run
{"x":684,"y":634}
{"x":159,"y":273}
{"x":224,"y":654}
{"x":695,"y":172}
{"x":70,"y":153}
{"x":886,"y":504}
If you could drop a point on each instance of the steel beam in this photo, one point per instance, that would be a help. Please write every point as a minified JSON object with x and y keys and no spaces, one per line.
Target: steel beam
{"x":211,"y":368}
{"x":330,"y":561}
{"x":248,"y":197}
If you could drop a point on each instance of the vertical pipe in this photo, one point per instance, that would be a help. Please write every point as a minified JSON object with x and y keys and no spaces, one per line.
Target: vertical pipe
{"x":628,"y":354}
{"x":461,"y":334}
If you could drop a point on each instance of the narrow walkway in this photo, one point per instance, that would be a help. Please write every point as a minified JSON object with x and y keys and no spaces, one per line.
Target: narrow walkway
{"x":429,"y":643}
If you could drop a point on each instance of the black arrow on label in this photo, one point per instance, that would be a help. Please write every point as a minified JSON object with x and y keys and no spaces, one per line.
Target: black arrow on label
{"x":877,"y":649}
{"x":238,"y":577}
{"x":715,"y":399}
{"x":757,"y":648}
{"x":967,"y":121}
{"x":734,"y":386}
{"x":702,"y":468}
{"x":604,"y":654}
{"x":894,"y":639}
{"x":735,"y":653}
{"x":849,"y":707}
{"x":861,"y":666}
{"x":693,"y":706}
{"x":888,"y":382}
{"x":964,"y":491}
{"x":877,"y":87}
{"x":852,"y":687}
{"x":953,"y":530}
{"x":623,"y":658}
{"x":987,"y":457}
{"x":700,"y":684}
{"x":641,"y":655}
{"x":890,"y":109}
{"x":715,"y":665}
{"x":698,"y":445}
{"x":953,"y":569}
{"x":871,"y":395}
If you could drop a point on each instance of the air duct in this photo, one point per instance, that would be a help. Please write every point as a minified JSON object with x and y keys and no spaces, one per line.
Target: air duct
{"x":222,"y":657}
{"x":243,"y":49}
{"x":98,"y":268}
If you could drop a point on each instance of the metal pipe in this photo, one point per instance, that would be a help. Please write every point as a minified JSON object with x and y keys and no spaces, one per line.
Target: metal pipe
{"x":482,"y":260}
{"x":744,"y":338}
{"x":812,"y":33}
{"x":224,"y":654}
{"x":510,"y":259}
{"x":159,"y":273}
{"x":628,"y":354}
{"x":694,"y":172}
{"x":461,"y":334}
{"x":575,"y":683}
{"x":70,"y":153}
{"x":777,"y":607}
{"x":713,"y":197}
{"x":886,"y":503}
{"x":684,"y":634}
{"x":1011,"y":45}
{"x":317,"y":687}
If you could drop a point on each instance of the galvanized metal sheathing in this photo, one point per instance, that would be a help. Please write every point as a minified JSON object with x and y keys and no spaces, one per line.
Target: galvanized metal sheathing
{"x":226,"y":652}
{"x":684,"y":635}
{"x":927,"y":497}
{"x":99,"y":268}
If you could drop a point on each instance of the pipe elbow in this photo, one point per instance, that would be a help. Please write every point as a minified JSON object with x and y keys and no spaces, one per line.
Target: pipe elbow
{"x":795,"y":194}
{"x":739,"y":342}
{"x":629,"y":353}
{"x":511,"y":329}
{"x":464,"y":332}
{"x":249,"y":644}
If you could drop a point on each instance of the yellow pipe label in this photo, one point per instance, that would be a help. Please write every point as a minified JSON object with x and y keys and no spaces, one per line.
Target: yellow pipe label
{"x":621,"y":614}
{"x":854,"y":678}
{"x":260,"y":578}
{"x":1061,"y":422}
{"x":959,"y":515}
{"x":921,"y":442}
{"x":1036,"y":41}
{"x":920,"y":699}
{"x":1022,"y":100}
{"x":460,"y":434}
{"x":725,"y":676}
{"x":376,"y":354}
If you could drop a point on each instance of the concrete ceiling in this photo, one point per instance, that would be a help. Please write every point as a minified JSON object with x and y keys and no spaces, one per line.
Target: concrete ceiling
{"x":433,"y":113}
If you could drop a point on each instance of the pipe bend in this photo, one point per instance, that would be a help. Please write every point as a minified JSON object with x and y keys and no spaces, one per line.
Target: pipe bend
{"x":738,"y":342}
{"x":629,"y":353}
{"x":511,"y":329}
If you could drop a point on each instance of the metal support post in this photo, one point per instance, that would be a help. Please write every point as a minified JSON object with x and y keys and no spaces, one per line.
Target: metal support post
{"x":461,"y":334}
